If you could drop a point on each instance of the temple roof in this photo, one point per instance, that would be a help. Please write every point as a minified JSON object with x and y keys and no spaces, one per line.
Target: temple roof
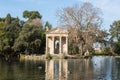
{"x":57,"y":31}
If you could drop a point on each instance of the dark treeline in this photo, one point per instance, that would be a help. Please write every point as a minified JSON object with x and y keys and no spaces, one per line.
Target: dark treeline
{"x":17,"y":36}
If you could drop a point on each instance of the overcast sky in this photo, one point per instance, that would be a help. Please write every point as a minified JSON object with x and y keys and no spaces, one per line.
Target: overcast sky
{"x":47,"y":8}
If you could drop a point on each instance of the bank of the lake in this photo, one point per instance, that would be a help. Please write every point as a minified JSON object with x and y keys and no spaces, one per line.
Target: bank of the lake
{"x":43,"y":57}
{"x":40,"y":57}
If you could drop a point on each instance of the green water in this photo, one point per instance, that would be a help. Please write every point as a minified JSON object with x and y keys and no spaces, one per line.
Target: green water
{"x":96,"y":68}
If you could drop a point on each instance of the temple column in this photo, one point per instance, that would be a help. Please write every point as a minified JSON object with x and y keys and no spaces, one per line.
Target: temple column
{"x":53,"y":45}
{"x":66,"y":45}
{"x":46,"y":44}
{"x":60,"y":45}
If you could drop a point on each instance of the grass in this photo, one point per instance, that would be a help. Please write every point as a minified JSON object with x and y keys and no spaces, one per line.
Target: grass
{"x":39,"y":57}
{"x":117,"y":56}
{"x":32,"y":57}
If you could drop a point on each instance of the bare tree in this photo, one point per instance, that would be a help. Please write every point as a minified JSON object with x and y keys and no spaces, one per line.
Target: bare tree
{"x":83,"y":23}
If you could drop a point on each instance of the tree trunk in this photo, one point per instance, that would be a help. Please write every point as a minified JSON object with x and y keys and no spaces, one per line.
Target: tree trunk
{"x":81,"y":50}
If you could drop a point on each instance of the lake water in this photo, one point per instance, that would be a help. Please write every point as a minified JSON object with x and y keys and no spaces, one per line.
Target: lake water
{"x":96,"y":68}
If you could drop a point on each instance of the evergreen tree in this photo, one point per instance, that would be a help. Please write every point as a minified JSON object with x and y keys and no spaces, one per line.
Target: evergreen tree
{"x":48,"y":26}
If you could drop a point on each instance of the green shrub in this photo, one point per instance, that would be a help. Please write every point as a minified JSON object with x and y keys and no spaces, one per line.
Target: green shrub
{"x":48,"y":56}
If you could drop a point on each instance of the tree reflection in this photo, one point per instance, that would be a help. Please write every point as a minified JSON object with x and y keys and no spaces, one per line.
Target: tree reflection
{"x":68,"y":69}
{"x":106,"y":68}
{"x":97,"y":68}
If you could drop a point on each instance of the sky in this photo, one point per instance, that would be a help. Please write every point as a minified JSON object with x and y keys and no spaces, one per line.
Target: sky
{"x":48,"y":8}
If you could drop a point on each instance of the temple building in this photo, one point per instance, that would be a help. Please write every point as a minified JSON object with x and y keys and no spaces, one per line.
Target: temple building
{"x":57,"y":41}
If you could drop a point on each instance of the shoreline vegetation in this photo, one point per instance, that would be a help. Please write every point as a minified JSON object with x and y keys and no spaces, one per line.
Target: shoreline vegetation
{"x":55,"y":56}
{"x":45,"y":57}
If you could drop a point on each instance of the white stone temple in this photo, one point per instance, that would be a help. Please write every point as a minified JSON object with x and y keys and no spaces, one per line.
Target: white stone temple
{"x":57,"y":41}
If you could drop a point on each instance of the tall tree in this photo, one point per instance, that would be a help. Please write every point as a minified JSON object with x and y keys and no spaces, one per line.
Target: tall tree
{"x":115,"y":36}
{"x":48,"y":26}
{"x":2,"y":34}
{"x":83,"y":23}
{"x":31,"y":39}
{"x":34,"y":18}
{"x":31,"y":14}
{"x":115,"y":30}
{"x":11,"y":30}
{"x":8,"y":19}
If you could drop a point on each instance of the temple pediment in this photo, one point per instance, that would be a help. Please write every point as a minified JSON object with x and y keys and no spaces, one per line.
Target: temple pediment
{"x":58,"y":31}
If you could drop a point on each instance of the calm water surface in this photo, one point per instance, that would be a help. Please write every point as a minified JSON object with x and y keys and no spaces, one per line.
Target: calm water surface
{"x":96,"y":68}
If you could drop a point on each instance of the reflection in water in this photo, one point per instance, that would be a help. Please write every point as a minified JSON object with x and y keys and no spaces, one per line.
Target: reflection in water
{"x":23,"y":70}
{"x":106,"y":68}
{"x":80,"y":69}
{"x":56,"y":70}
{"x":96,"y":68}
{"x":68,"y":69}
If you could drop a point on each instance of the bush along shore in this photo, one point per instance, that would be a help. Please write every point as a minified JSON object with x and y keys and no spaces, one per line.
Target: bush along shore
{"x":49,"y":56}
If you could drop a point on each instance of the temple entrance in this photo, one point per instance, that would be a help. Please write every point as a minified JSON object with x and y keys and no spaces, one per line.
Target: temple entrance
{"x":57,"y":44}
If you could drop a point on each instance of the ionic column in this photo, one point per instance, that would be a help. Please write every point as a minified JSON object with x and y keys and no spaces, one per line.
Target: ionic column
{"x":66,"y":45}
{"x":60,"y":45}
{"x":53,"y":44}
{"x":46,"y":44}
